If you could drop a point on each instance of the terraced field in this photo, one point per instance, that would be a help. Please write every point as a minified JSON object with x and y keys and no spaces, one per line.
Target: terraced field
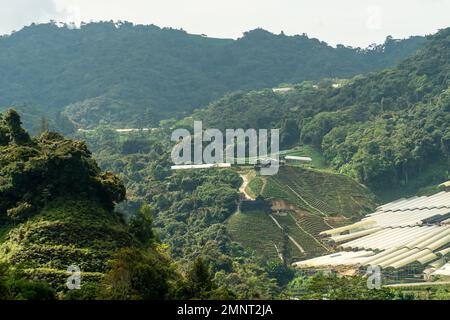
{"x":311,"y":223}
{"x":259,"y":232}
{"x":256,"y":231}
{"x":319,"y":192}
{"x":311,"y":244}
{"x":306,"y":202}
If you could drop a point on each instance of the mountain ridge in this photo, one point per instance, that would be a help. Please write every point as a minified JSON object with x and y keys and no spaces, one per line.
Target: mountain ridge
{"x":165,"y":72}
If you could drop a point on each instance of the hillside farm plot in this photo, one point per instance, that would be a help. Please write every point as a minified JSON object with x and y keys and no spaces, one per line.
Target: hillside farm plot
{"x":312,"y":224}
{"x":305,"y":202}
{"x":257,"y":232}
{"x":311,"y":244}
{"x":264,"y":234}
{"x":318,"y":192}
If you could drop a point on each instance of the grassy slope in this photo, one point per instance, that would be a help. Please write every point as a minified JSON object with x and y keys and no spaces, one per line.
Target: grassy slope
{"x":255,"y":186}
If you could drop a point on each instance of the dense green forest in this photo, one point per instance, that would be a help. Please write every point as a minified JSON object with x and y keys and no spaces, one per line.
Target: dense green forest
{"x":134,"y":76}
{"x":388,"y":129}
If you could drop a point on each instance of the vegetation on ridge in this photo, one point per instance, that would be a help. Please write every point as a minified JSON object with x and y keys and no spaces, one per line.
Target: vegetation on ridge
{"x":134,"y":75}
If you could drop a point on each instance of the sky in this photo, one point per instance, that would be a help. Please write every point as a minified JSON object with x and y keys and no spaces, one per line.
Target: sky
{"x":357,"y":23}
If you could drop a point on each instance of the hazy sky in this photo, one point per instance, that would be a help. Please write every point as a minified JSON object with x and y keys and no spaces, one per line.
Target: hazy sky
{"x":350,"y":22}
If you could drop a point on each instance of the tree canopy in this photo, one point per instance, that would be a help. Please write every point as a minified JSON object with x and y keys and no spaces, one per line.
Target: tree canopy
{"x":136,"y":75}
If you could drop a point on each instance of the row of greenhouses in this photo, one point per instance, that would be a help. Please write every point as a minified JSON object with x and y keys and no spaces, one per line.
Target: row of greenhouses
{"x":398,"y":234}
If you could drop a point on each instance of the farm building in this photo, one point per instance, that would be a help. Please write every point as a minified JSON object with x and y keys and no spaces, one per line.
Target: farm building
{"x":443,"y":271}
{"x":200,"y":166}
{"x":406,"y":233}
{"x":290,"y":159}
{"x":282,"y":90}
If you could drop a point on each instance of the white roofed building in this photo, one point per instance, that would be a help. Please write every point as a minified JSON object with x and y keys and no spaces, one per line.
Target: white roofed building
{"x":296,"y":158}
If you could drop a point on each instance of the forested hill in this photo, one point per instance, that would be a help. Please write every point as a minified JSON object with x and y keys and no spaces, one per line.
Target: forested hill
{"x":148,"y":73}
{"x":387,"y":129}
{"x":58,"y":218}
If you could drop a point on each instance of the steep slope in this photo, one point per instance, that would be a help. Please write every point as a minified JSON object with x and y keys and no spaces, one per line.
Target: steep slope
{"x":56,"y":206}
{"x":66,"y":232}
{"x":163,"y":72}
